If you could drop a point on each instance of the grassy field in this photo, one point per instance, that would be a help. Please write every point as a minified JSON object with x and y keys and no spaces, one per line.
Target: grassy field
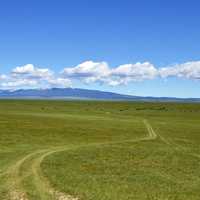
{"x":90,"y":150}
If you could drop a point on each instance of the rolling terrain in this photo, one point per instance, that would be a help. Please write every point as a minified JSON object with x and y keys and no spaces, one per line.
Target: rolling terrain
{"x":92,"y":150}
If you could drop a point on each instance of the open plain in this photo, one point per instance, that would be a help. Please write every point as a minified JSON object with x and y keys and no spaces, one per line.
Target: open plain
{"x":98,"y":150}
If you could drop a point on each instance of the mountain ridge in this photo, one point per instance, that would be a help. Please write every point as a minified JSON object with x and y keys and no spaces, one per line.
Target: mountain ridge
{"x":78,"y":93}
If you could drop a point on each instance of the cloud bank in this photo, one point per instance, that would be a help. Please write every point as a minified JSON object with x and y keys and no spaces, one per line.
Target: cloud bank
{"x":88,"y":72}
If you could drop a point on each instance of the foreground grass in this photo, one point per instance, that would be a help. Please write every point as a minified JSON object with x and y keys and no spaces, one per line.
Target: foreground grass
{"x":99,"y":150}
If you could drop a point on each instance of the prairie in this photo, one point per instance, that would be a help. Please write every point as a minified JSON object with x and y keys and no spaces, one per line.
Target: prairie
{"x":98,"y":150}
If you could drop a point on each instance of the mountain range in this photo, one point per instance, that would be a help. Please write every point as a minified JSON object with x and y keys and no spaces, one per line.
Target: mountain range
{"x":77,"y":93}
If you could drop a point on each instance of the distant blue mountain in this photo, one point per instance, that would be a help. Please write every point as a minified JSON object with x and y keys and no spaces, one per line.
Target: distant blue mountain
{"x":62,"y":93}
{"x":76,"y":93}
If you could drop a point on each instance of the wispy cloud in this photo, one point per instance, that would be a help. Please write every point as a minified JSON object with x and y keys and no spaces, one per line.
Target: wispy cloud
{"x":89,"y":72}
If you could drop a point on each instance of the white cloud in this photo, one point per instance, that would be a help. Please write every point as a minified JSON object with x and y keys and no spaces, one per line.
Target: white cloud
{"x":88,"y":69}
{"x":138,"y":71}
{"x":189,"y":70}
{"x":90,"y":72}
{"x":18,"y":83}
{"x":3,"y":77}
{"x":28,"y":76}
{"x":31,"y":72}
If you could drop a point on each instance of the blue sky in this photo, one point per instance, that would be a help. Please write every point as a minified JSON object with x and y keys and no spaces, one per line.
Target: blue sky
{"x":148,"y":48}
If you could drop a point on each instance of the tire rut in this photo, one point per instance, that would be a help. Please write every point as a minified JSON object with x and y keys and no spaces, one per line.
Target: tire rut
{"x":16,"y":174}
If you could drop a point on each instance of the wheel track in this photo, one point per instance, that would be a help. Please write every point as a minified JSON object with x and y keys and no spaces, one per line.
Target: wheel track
{"x":152,"y":133}
{"x":175,"y":146}
{"x":14,"y":178}
{"x":15,"y":175}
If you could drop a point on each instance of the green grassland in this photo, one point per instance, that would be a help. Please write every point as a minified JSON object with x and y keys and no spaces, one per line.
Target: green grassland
{"x":90,"y":150}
